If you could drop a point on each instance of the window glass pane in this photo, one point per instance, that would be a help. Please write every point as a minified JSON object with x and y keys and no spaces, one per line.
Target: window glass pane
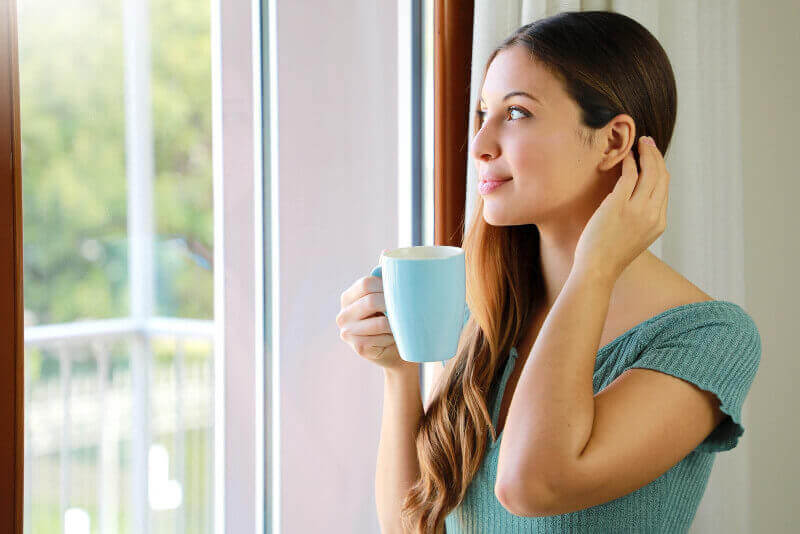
{"x":181,"y":92}
{"x":73,"y":160}
{"x":118,"y":416}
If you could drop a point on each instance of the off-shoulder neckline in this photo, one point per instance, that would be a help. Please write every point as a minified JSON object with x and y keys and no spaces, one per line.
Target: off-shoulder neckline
{"x":513,"y":352}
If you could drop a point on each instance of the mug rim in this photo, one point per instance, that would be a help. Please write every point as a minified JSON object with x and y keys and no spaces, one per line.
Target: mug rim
{"x":454,"y":252}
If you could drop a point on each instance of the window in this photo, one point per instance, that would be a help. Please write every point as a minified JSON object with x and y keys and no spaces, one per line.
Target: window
{"x":123,"y":294}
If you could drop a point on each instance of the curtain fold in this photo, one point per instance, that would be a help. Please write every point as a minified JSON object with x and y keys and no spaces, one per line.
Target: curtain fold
{"x":704,"y":238}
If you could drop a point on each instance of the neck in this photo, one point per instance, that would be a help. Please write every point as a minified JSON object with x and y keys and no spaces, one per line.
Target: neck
{"x":629,"y":287}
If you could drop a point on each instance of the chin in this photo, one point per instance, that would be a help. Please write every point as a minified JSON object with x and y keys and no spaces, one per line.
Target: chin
{"x":504,"y":217}
{"x":496,"y":219}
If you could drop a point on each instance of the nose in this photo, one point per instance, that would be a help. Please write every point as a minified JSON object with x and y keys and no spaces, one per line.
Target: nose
{"x":483,"y":147}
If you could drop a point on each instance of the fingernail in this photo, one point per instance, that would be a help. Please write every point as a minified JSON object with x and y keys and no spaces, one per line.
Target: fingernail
{"x":649,"y":140}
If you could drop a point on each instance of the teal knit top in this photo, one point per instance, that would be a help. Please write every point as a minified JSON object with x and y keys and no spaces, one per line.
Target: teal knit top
{"x":712,"y":344}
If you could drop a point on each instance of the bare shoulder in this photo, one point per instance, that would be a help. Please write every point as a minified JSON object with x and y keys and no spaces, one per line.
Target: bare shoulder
{"x":674,"y":288}
{"x":654,"y":288}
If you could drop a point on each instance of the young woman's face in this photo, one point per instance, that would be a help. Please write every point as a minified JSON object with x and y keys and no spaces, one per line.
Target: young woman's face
{"x":534,"y":142}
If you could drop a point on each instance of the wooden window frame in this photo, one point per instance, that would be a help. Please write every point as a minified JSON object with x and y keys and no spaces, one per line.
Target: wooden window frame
{"x":12,"y":372}
{"x":452,"y":64}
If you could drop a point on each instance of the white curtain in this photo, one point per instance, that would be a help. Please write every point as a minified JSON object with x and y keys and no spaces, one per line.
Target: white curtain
{"x":704,"y":238}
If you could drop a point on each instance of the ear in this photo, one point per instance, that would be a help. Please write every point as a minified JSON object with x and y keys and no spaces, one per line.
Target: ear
{"x":618,"y":137}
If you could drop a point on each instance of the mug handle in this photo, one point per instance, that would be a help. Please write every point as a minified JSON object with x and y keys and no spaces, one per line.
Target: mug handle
{"x":377,"y":271}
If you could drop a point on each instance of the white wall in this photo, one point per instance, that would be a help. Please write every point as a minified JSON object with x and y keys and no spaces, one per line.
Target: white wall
{"x":337,"y":135}
{"x":770,"y":83}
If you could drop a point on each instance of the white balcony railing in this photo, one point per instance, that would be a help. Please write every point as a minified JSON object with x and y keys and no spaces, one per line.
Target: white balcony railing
{"x":103,"y":411}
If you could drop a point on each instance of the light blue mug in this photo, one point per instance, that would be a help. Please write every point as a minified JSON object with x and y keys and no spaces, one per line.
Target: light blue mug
{"x":424,"y":288}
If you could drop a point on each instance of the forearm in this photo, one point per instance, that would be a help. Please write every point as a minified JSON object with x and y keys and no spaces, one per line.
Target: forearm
{"x":397,"y":466}
{"x":550,"y":418}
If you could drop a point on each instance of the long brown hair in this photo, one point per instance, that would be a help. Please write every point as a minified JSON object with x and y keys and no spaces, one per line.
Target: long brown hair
{"x":609,"y":64}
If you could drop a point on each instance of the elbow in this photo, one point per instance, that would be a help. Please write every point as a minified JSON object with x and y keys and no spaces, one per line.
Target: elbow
{"x":525,"y":496}
{"x":525,"y":500}
{"x":510,"y":500}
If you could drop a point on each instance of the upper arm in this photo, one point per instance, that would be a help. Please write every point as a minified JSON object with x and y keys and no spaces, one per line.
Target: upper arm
{"x":645,"y":422}
{"x":683,"y":392}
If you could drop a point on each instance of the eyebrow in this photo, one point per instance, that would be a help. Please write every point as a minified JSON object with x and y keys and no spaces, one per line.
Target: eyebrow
{"x":517,"y":93}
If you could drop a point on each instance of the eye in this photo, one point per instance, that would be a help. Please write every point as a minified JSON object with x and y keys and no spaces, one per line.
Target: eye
{"x":482,"y":113}
{"x":518,"y":110}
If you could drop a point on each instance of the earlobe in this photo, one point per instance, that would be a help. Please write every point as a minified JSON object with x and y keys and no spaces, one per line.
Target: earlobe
{"x":612,"y":160}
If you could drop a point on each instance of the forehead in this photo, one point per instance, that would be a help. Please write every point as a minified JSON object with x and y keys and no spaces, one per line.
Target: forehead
{"x":514,"y":69}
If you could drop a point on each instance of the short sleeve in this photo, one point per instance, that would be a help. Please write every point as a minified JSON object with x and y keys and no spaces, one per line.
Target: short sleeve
{"x":718,"y":352}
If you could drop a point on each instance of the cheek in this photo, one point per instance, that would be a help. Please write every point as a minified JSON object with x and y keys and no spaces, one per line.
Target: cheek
{"x":543,"y":155}
{"x":551,"y":169}
{"x":538,"y":163}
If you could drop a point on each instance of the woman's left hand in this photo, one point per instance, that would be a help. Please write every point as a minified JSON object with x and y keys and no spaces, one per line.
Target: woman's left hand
{"x":629,"y":219}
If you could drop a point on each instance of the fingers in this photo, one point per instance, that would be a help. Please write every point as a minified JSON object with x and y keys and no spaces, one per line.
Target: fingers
{"x":659,"y":159}
{"x":364,"y":307}
{"x":361,"y":287}
{"x":627,"y":180}
{"x":650,"y":172}
{"x":661,"y":189}
{"x":372,"y":326}
{"x":653,"y":184}
{"x":665,"y":202}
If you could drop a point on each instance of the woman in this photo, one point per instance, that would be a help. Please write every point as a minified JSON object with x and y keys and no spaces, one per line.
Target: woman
{"x":531,"y":428}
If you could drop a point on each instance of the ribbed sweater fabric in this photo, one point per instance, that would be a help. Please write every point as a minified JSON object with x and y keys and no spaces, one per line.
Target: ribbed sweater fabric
{"x":712,"y":344}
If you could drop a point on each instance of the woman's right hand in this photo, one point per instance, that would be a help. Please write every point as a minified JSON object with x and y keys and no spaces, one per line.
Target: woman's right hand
{"x":364,"y":326}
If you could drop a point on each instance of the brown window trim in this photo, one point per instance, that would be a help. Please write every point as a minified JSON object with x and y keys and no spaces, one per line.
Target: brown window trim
{"x":452,"y":50}
{"x":12,"y":376}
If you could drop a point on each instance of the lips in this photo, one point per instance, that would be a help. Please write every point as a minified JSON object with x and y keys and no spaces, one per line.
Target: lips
{"x":492,"y":179}
{"x":487,"y":186}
